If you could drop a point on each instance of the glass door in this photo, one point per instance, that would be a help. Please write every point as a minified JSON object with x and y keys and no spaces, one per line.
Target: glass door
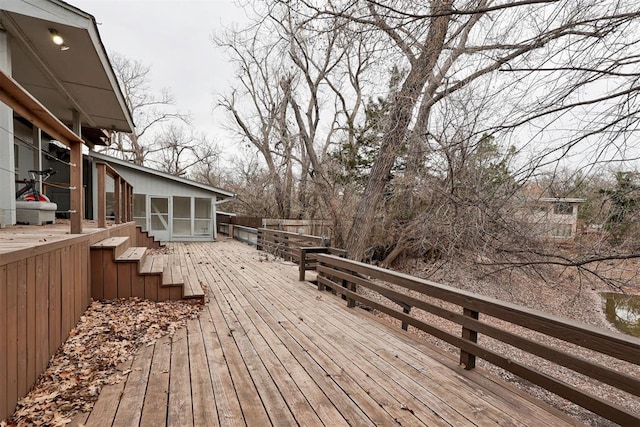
{"x":159,"y":218}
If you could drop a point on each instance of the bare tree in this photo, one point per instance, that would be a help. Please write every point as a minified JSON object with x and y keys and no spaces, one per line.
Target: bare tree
{"x":303,"y":97}
{"x":547,"y":53}
{"x":179,"y":149}
{"x":149,"y":109}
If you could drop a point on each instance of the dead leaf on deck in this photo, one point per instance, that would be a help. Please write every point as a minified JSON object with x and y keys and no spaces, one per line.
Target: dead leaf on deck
{"x":108,"y":334}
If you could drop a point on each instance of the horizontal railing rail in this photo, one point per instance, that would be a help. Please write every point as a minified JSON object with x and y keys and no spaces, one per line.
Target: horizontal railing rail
{"x":344,"y":276}
{"x":287,"y":245}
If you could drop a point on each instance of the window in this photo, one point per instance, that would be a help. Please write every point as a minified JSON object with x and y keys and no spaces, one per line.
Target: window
{"x":111,"y":206}
{"x":181,"y":216}
{"x":140,"y":210}
{"x":202,"y":221}
{"x":563,"y":209}
{"x":561,"y":230}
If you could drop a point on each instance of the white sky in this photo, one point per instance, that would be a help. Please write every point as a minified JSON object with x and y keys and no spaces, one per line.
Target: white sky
{"x":173,"y":37}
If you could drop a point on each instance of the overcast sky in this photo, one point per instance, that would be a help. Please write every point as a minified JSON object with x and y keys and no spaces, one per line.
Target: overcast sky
{"x":173,"y":37}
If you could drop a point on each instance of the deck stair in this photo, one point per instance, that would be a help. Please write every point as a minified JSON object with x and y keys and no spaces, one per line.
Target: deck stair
{"x":143,"y":238}
{"x":119,"y":270}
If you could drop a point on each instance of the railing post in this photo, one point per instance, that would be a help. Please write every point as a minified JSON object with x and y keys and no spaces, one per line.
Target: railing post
{"x":116,"y":199}
{"x":302,"y":268}
{"x":259,"y":239}
{"x":406,"y":309}
{"x":285,"y":248}
{"x":351,"y":303}
{"x":75,"y":182}
{"x":468,"y":360}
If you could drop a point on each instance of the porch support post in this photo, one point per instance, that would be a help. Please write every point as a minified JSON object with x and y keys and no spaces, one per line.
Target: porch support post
{"x":37,"y":142}
{"x":77,"y":206}
{"x":7,"y":167}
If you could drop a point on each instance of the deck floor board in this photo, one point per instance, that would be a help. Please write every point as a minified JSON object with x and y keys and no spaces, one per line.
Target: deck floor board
{"x":270,"y":350}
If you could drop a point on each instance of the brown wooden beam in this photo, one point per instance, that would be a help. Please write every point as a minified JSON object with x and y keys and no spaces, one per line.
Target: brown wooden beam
{"x":21,"y":101}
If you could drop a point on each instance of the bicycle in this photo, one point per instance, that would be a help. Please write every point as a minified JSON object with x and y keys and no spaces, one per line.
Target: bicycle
{"x":29,"y":192}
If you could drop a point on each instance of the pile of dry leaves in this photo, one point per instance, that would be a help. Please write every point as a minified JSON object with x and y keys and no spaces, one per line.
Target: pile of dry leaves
{"x":108,"y":334}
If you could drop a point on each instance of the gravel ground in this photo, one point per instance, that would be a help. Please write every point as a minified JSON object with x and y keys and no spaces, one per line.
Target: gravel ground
{"x":562,"y":293}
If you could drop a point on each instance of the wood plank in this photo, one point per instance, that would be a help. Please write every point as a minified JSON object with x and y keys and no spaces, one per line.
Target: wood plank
{"x":78,"y":283}
{"x":204,"y":402}
{"x":130,"y":408}
{"x":106,"y":406}
{"x":32,"y":370}
{"x":226,"y":398}
{"x":12,"y":338}
{"x":151,"y":284}
{"x":66,"y":268}
{"x":154,"y":409}
{"x":3,"y":341}
{"x":23,"y":381}
{"x":252,"y":408}
{"x":97,"y":275}
{"x":134,"y":253}
{"x":42,"y":312}
{"x":137,"y":283}
{"x":110,"y":276}
{"x":180,"y":411}
{"x":124,"y":278}
{"x":85,"y":294}
{"x":175,"y":292}
{"x":80,"y":420}
{"x":55,"y":301}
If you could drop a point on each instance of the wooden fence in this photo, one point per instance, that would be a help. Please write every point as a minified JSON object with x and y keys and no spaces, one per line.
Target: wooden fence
{"x":557,"y":340}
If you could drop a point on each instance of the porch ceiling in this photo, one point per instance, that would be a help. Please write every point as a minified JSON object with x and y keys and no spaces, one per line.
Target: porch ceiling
{"x":79,"y":78}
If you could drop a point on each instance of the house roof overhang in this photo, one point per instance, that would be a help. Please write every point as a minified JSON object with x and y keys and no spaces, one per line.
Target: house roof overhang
{"x":80,"y":78}
{"x":114,"y":162}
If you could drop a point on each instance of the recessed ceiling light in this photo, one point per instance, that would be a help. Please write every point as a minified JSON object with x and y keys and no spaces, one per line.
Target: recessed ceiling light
{"x":56,"y":38}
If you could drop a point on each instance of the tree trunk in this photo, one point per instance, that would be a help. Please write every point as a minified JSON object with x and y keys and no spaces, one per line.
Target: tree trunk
{"x":396,"y":133}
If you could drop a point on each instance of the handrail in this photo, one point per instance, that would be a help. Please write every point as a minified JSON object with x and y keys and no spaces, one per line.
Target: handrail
{"x":123,"y":195}
{"x":287,"y":244}
{"x":343,"y":276}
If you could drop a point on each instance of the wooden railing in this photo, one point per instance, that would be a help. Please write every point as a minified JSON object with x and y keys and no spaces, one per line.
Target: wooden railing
{"x":308,"y":260}
{"x":557,"y":340}
{"x":122,"y":196}
{"x":287,"y":245}
{"x":243,"y":234}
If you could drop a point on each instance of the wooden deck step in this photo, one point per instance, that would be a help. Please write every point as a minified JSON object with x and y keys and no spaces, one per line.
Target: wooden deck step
{"x":153,"y":264}
{"x":118,"y":244}
{"x":172,"y":275}
{"x":192,"y":289}
{"x":133,"y":254}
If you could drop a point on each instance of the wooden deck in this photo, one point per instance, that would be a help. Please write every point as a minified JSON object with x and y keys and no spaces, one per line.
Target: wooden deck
{"x":270,"y":350}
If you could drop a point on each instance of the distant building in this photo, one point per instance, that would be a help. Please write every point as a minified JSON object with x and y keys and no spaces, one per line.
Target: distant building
{"x":554,"y":217}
